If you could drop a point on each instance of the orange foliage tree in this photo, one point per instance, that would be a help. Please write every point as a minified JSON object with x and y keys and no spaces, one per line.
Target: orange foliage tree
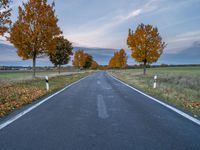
{"x":122,"y":59}
{"x":79,"y":59}
{"x":5,"y":13}
{"x":111,"y":63}
{"x":94,"y":65}
{"x":33,"y":32}
{"x":146,"y":44}
{"x":119,"y":60}
{"x":82,"y":60}
{"x":88,"y":59}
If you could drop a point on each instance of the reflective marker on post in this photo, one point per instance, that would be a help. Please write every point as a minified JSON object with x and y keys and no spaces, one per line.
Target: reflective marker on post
{"x":47,"y":83}
{"x":154,"y":84}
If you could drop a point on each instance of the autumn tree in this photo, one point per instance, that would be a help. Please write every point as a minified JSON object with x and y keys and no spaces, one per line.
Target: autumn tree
{"x":94,"y":65}
{"x":33,"y":32}
{"x":103,"y":67}
{"x":119,"y":60}
{"x":82,"y":60}
{"x":5,"y":13}
{"x":79,"y":59}
{"x":62,"y":53}
{"x":146,"y":44}
{"x":88,"y":61}
{"x":122,"y":59}
{"x":112,"y":62}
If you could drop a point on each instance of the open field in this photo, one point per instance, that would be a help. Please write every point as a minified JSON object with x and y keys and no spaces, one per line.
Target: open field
{"x":178,"y":86}
{"x":17,"y":93}
{"x":22,"y":75}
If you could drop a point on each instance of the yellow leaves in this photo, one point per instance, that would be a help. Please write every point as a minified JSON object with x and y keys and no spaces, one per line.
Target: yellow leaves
{"x":95,"y":65}
{"x":79,"y":59}
{"x":16,"y":95}
{"x":119,"y":60}
{"x":4,"y":16}
{"x":82,"y":60}
{"x":33,"y":32}
{"x":145,"y":43}
{"x":192,"y":104}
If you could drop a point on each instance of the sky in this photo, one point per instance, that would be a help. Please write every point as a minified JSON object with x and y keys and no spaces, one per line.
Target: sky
{"x":105,"y":24}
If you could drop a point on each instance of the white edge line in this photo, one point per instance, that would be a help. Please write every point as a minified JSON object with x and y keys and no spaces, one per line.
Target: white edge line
{"x":6,"y":123}
{"x":162,"y":103}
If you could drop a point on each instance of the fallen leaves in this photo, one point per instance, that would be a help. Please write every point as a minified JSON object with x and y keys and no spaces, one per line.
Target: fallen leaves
{"x":14,"y":95}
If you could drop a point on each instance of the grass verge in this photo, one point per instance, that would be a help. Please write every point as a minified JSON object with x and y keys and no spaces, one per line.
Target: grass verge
{"x":27,"y":75}
{"x":176,"y":86}
{"x":15,"y":94}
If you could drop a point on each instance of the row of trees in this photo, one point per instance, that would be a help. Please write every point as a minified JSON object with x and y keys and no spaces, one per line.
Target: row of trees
{"x":83,"y":60}
{"x":146,"y":45}
{"x":36,"y":32}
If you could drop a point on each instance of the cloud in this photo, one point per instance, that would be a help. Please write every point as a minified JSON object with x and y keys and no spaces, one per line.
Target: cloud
{"x":110,"y":30}
{"x":188,"y":55}
{"x":179,"y":42}
{"x":4,"y":41}
{"x":178,"y":23}
{"x":150,"y":6}
{"x":96,"y":33}
{"x":132,"y":14}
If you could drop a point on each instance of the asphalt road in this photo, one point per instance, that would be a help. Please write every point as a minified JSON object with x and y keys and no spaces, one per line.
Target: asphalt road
{"x":100,"y":113}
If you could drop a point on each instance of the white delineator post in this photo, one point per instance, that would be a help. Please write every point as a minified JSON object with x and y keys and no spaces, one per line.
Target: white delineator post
{"x":47,"y":83}
{"x":154,"y":83}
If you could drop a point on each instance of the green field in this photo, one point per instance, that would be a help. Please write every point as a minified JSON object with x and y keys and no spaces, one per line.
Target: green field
{"x":178,"y":86}
{"x":21,"y":75}
{"x":15,"y":75}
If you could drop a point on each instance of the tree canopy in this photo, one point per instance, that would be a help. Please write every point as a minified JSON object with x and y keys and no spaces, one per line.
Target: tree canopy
{"x":146,"y":44}
{"x":82,"y":60}
{"x":62,"y":53}
{"x":119,"y":60}
{"x":33,"y":32}
{"x":5,"y":13}
{"x":79,"y":59}
{"x":88,"y":61}
{"x":94,"y":65}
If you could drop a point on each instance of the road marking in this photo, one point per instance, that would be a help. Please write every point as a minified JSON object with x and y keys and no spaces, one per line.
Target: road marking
{"x":162,"y":103}
{"x":101,"y":107}
{"x":6,"y":123}
{"x":98,"y":82}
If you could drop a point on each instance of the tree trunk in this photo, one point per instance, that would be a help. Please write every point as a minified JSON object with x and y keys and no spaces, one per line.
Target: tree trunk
{"x":59,"y":69}
{"x":34,"y":64}
{"x":145,"y":67}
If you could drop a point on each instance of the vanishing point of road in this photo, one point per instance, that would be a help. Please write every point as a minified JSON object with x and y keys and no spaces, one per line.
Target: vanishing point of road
{"x":100,"y":113}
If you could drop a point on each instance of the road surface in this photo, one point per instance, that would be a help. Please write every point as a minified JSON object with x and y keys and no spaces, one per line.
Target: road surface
{"x":100,"y":113}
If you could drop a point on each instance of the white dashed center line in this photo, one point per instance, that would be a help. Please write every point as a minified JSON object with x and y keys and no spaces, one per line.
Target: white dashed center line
{"x":101,"y":107}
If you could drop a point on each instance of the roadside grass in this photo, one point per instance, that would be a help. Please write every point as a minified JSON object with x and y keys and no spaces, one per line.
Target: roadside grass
{"x":15,"y":94}
{"x":178,"y":86}
{"x":16,"y":75}
{"x":21,"y":75}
